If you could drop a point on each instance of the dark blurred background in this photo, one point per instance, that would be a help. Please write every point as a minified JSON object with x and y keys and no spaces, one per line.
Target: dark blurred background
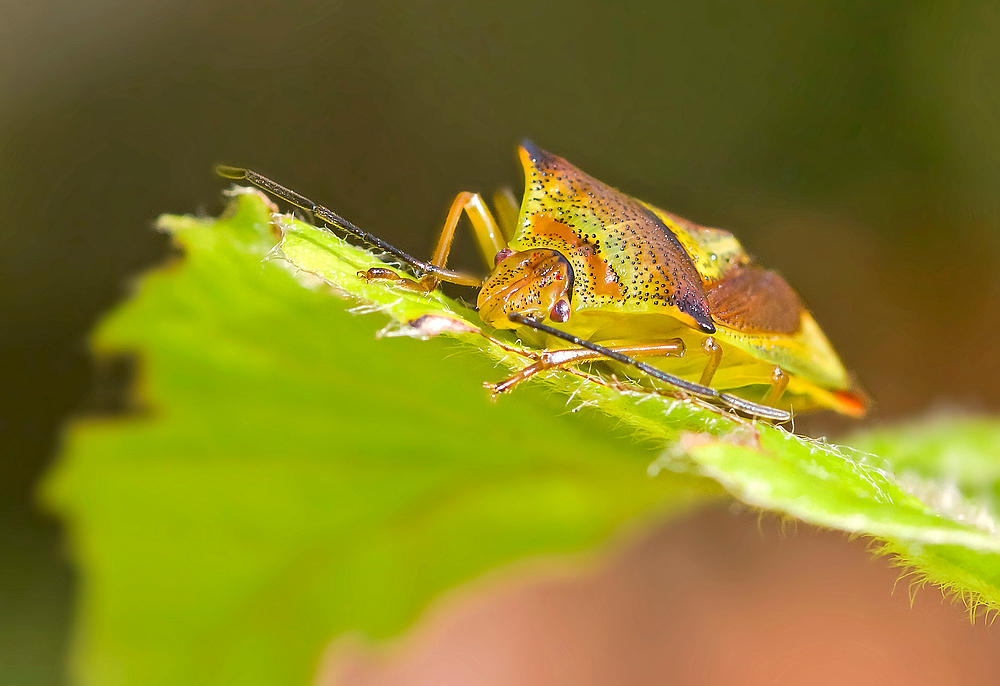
{"x":853,"y":146}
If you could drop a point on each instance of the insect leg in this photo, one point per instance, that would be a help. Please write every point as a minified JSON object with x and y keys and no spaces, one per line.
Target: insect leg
{"x":714,"y":351}
{"x":675,"y":381}
{"x":507,"y":208}
{"x":779,"y":382}
{"x":332,"y":219}
{"x":491,"y":241}
{"x":694,"y":389}
{"x":555,"y":359}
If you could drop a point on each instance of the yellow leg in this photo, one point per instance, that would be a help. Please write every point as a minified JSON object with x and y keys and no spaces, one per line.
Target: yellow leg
{"x":714,"y":351}
{"x":779,"y":382}
{"x":491,"y":241}
{"x":487,"y":233}
{"x":507,"y":208}
{"x":555,"y":359}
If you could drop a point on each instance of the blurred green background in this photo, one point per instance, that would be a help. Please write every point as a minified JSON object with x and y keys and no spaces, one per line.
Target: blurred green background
{"x":853,"y":146}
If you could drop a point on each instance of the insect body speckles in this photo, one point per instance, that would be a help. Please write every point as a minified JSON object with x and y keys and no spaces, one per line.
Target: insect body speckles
{"x":623,"y":254}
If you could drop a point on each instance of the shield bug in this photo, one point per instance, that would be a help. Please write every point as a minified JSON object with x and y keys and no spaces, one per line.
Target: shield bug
{"x":623,"y":281}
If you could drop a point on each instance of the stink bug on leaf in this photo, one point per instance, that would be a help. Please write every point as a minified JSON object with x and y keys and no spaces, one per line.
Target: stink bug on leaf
{"x":621,"y":280}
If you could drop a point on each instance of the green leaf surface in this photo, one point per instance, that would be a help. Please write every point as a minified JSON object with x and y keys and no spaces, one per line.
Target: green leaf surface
{"x":291,"y":476}
{"x":953,"y":464}
{"x":764,"y":465}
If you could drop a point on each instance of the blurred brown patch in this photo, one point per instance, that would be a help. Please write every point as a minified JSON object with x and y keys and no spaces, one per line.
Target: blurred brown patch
{"x":715,"y":599}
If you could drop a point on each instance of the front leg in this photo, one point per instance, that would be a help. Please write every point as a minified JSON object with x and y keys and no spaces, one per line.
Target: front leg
{"x":488,"y":235}
{"x":556,"y":359}
{"x":425,"y":284}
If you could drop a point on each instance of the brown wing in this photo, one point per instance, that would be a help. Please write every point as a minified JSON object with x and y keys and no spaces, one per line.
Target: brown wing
{"x":755,"y":300}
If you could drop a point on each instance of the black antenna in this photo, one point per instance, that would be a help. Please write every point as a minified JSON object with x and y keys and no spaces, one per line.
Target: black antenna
{"x":334,"y":219}
{"x":704,"y":392}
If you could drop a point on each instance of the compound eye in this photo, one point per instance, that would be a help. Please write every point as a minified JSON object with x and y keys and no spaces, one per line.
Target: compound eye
{"x":502,"y":255}
{"x":560,"y":311}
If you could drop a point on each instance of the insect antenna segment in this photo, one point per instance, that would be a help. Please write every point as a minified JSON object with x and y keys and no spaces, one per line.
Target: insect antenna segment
{"x":333,"y":219}
{"x":697,"y":390}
